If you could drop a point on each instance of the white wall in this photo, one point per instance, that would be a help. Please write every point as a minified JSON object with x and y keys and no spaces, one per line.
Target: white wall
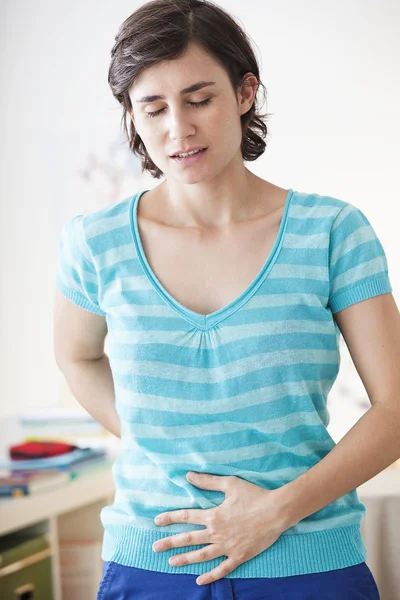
{"x":333,"y":78}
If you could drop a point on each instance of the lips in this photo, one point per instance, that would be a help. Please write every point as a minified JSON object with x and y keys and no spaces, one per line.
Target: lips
{"x":191,"y":159}
{"x":188,"y":150}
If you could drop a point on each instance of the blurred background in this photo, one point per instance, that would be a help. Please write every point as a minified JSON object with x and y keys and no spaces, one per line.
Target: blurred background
{"x":332,"y":73}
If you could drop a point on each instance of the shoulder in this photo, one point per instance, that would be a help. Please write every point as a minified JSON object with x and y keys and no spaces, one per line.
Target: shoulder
{"x":103,"y":229}
{"x":314,"y":201}
{"x":313,"y":213}
{"x":324,"y":209}
{"x":106,"y":218}
{"x":107,"y":225}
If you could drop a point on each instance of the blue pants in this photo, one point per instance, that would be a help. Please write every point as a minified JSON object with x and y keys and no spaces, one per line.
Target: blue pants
{"x":129,"y":583}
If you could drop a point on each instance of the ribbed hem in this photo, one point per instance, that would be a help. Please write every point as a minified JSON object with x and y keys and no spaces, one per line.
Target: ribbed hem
{"x":359,"y":293}
{"x":78,"y":299}
{"x":290,"y":555}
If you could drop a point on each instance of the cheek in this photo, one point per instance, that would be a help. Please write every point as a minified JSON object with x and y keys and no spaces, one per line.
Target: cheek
{"x":150,"y":137}
{"x":225,"y":122}
{"x":145,"y":128}
{"x":227,"y":132}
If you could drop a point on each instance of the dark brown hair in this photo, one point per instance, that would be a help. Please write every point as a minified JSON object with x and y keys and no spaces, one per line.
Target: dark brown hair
{"x":162,"y":30}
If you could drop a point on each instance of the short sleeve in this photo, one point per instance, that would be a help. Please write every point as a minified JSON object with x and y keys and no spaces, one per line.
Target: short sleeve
{"x":76,"y":276}
{"x":358,"y":267}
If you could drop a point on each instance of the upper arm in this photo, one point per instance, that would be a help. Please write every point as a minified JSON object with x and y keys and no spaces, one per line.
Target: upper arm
{"x":79,"y":322}
{"x":78,"y":334}
{"x":362,"y":304}
{"x":371,"y":330}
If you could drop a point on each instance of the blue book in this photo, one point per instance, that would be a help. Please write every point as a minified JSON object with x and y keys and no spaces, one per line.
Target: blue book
{"x":61,"y":462}
{"x":18,"y":485}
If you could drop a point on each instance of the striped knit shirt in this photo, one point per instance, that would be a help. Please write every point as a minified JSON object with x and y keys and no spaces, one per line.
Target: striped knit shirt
{"x":241,"y":391}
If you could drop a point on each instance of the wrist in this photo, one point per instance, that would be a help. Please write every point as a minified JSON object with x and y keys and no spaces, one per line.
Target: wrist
{"x":288,"y":508}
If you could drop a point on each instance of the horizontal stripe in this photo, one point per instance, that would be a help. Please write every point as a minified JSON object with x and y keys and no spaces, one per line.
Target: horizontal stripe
{"x":241,"y":391}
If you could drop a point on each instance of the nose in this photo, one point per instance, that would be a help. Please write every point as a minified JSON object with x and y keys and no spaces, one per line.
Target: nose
{"x":179,"y":126}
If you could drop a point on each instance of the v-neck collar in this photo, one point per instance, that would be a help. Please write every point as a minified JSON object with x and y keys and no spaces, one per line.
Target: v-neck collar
{"x":207,"y":321}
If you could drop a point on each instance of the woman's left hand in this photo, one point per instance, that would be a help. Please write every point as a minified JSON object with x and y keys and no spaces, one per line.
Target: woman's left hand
{"x":248,"y":521}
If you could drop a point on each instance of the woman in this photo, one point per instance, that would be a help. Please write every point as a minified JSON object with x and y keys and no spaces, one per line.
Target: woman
{"x":217,"y":290}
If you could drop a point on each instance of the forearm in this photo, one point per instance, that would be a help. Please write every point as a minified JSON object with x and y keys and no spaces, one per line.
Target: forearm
{"x":92,"y":384}
{"x":368,"y":448}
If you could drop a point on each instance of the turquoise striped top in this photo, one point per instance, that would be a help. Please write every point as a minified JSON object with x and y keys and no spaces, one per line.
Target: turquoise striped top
{"x":241,"y":391}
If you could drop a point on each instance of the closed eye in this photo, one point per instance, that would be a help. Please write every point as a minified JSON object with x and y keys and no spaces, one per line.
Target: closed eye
{"x":195,"y":104}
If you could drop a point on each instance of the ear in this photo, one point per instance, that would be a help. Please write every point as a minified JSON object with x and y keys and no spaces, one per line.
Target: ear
{"x":247,"y":91}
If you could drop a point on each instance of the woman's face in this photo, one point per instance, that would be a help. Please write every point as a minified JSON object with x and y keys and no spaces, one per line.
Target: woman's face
{"x":208,"y":117}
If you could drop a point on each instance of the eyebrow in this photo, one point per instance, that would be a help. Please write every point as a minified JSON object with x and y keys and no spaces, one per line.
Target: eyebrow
{"x":192,"y":88}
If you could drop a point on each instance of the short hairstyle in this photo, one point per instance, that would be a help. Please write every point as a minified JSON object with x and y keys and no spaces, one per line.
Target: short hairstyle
{"x":162,"y":30}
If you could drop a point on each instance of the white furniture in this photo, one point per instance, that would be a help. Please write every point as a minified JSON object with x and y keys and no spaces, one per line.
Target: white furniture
{"x":68,"y":512}
{"x":381,"y":529}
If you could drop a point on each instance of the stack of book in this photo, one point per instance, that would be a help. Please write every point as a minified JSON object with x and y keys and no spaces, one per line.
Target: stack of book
{"x":26,"y":477}
{"x":72,"y":425}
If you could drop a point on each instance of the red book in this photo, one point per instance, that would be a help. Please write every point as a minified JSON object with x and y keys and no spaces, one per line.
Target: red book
{"x":38,"y":449}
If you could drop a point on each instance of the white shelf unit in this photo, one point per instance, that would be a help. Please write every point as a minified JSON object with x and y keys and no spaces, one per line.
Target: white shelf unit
{"x":68,"y":512}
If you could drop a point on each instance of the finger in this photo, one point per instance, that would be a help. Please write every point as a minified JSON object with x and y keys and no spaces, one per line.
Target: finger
{"x":207,"y":553}
{"x":192,"y":515}
{"x":207,"y":481}
{"x":188,"y":538}
{"x":227,"y":566}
